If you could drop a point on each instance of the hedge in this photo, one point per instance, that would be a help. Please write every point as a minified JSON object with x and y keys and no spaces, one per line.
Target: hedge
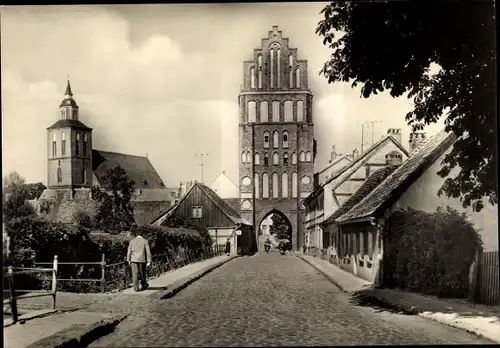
{"x":430,"y":253}
{"x":36,"y":239}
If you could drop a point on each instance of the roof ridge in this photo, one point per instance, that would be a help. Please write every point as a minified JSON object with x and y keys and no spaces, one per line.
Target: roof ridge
{"x":334,"y":162}
{"x":122,"y":153}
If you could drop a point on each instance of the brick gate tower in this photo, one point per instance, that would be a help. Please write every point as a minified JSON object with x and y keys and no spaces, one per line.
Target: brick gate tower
{"x":276,"y":135}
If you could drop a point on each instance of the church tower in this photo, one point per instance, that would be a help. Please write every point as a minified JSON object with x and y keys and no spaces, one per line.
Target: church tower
{"x":69,"y":148}
{"x":276,"y":135}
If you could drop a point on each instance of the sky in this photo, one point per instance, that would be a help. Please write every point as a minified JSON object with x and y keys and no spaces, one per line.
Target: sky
{"x":163,"y":80}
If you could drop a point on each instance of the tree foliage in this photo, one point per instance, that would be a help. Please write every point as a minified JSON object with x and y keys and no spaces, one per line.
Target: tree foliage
{"x":391,"y":45}
{"x":115,"y":212}
{"x":176,"y":221}
{"x":15,"y":196}
{"x":280,"y":227}
{"x":35,"y":190}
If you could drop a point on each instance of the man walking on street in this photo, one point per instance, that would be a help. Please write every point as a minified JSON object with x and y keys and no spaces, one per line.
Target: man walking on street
{"x":139,"y":258}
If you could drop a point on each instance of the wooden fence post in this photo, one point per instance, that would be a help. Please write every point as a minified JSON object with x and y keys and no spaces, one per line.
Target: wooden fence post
{"x":103,"y":272}
{"x":473,"y":286}
{"x":125,"y":269}
{"x":54,"y":281}
{"x":13,"y":302}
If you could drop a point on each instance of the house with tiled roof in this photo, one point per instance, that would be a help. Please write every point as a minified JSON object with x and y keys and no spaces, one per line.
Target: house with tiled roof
{"x":225,"y":187}
{"x":222,"y":221}
{"x":414,"y":184}
{"x":73,"y":167}
{"x":329,"y":196}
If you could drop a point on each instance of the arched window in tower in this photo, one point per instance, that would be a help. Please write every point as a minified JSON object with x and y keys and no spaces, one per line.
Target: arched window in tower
{"x":285,"y":139}
{"x":294,"y":158}
{"x":276,"y":139}
{"x":288,"y":111}
{"x":59,"y":175}
{"x":284,"y":185}
{"x":266,"y":140}
{"x":275,"y":185}
{"x":63,"y":114}
{"x":243,"y":157}
{"x":256,"y":183}
{"x":260,"y":77}
{"x":297,"y":77}
{"x":264,"y":111}
{"x":249,"y":157}
{"x":300,"y":111}
{"x":276,"y":159}
{"x":290,"y":72}
{"x":75,"y":114}
{"x":257,"y":159}
{"x":302,"y":156}
{"x":252,"y":111}
{"x":276,"y":111}
{"x":259,"y":60}
{"x":54,"y":145}
{"x":63,"y":144}
{"x":308,"y":156}
{"x":294,"y":185}
{"x":84,"y":174}
{"x":265,"y":185}
{"x":271,"y":55}
{"x":77,"y":144}
{"x":285,"y":159}
{"x":85,"y":145}
{"x":266,"y":159}
{"x":278,"y":69}
{"x":252,"y":77}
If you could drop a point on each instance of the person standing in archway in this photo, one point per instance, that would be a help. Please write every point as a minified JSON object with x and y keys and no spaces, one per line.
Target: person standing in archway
{"x":228,"y":246}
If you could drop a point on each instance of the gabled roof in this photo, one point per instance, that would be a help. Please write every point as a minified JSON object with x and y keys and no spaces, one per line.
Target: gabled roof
{"x":368,"y":186}
{"x":234,"y":203}
{"x":147,"y":211}
{"x":224,"y":186}
{"x":138,"y":168}
{"x":65,"y":123}
{"x":156,"y":194}
{"x":406,"y":174}
{"x":334,"y":163}
{"x":345,"y":172}
{"x":219,"y":202}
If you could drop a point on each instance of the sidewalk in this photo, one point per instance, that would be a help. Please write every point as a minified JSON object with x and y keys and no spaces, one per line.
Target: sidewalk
{"x":77,"y":315}
{"x":478,"y":319}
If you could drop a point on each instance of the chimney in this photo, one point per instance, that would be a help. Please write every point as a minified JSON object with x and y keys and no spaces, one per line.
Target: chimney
{"x":396,"y":134}
{"x":355,"y":154}
{"x":394,"y":157}
{"x":333,"y":154}
{"x":417,"y":140}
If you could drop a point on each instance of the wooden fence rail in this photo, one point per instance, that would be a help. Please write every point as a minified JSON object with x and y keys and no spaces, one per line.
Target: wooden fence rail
{"x":485,"y":287}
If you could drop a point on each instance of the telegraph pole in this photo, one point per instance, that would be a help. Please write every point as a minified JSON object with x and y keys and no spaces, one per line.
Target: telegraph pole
{"x":373,"y":130}
{"x":201,"y":164}
{"x":362,"y":137}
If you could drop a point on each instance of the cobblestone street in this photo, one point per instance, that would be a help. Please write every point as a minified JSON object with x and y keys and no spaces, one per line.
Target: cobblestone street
{"x":269,"y":299}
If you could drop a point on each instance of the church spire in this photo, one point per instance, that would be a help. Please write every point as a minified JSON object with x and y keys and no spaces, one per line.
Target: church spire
{"x":68,"y":93}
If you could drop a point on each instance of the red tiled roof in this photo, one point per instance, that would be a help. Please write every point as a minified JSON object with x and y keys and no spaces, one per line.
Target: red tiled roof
{"x":400,"y":179}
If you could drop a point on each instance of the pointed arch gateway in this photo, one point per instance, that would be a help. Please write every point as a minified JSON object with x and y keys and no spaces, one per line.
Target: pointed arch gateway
{"x":274,"y":225}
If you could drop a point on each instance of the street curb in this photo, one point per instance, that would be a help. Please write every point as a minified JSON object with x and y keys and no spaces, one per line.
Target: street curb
{"x":185,"y":282}
{"x":326,"y":275}
{"x":79,"y":336}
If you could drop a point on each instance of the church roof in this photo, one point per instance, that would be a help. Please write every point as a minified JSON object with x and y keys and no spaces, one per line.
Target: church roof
{"x":391,"y":189}
{"x":65,"y":123}
{"x":138,"y":168}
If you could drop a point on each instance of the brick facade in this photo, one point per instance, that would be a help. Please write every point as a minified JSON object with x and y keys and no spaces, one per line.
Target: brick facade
{"x":294,"y":120}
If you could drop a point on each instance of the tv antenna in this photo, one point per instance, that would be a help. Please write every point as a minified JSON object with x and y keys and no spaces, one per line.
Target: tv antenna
{"x":201,"y":163}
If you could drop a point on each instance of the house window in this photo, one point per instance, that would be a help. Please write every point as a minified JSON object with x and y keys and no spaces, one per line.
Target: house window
{"x":294,"y":184}
{"x":63,"y":144}
{"x":266,"y":140}
{"x":294,"y":158}
{"x":54,"y":145}
{"x":290,"y":74}
{"x":276,"y":159}
{"x":59,"y":175}
{"x":297,"y":77}
{"x":266,"y":159}
{"x":77,"y":145}
{"x":276,"y":111}
{"x":285,"y":139}
{"x":275,"y":185}
{"x":252,"y":111}
{"x":276,"y":139}
{"x":285,"y":159}
{"x":264,"y":111}
{"x":288,"y":111}
{"x":197,"y":212}
{"x":265,"y":185}
{"x":300,"y":111}
{"x":308,"y":156}
{"x":284,"y":185}
{"x":256,"y":185}
{"x":302,"y":156}
{"x":252,"y":77}
{"x":85,"y":140}
{"x":257,"y":159}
